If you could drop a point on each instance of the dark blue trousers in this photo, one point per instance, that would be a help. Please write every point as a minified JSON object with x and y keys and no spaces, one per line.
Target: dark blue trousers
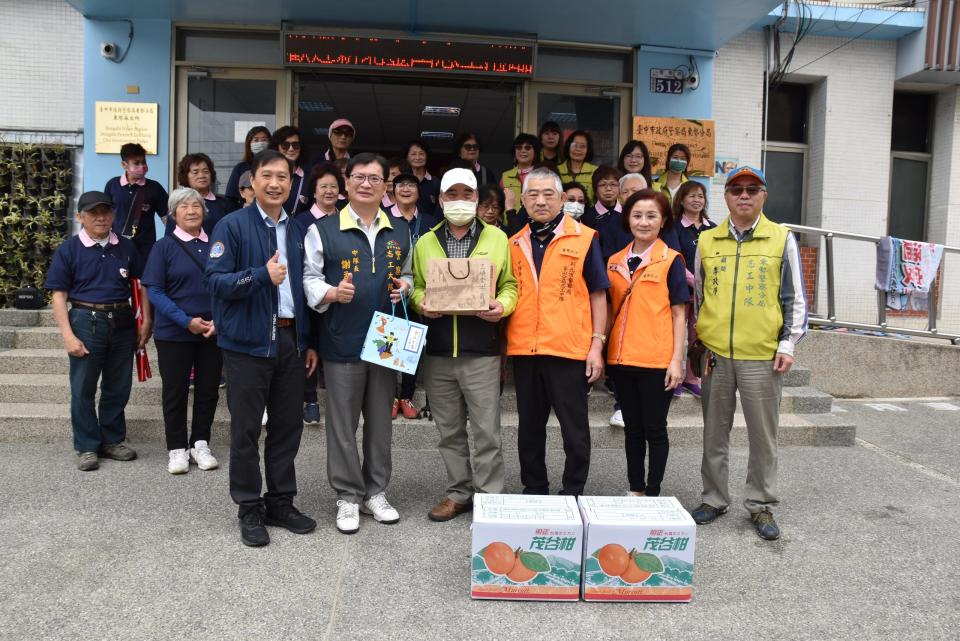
{"x":110,"y":362}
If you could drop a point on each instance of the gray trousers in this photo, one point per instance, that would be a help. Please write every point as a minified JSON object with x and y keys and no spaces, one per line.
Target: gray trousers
{"x":353,"y":388}
{"x":760,"y":389}
{"x":455,"y":386}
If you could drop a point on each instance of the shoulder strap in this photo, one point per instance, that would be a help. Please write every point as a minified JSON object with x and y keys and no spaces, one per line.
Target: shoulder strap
{"x":183,"y":246}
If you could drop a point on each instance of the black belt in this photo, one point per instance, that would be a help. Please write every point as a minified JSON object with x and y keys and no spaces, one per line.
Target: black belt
{"x":101,"y":307}
{"x":285,"y":322}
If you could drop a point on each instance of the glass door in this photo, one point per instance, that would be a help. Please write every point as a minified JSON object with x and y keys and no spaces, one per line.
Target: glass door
{"x":216,"y":108}
{"x":603,"y":112}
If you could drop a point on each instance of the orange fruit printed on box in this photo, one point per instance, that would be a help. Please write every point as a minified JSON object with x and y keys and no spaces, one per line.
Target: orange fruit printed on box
{"x":526,"y":547}
{"x":637,"y":549}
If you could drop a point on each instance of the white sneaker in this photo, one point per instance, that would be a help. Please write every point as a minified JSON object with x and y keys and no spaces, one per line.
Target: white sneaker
{"x":201,"y":455}
{"x":263,"y":421}
{"x":179,"y":462}
{"x":380,"y":509}
{"x":348,"y":517}
{"x":617,"y":419}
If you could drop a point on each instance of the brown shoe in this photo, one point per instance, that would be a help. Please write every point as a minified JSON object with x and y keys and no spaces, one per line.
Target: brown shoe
{"x":448,"y":509}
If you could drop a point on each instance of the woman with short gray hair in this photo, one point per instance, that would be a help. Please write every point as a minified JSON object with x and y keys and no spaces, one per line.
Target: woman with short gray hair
{"x":184,"y":332}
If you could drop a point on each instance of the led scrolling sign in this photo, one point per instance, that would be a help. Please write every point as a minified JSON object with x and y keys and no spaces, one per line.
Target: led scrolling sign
{"x":406,"y":54}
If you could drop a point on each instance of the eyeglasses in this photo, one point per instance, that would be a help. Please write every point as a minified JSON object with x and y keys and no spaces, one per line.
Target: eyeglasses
{"x":488,"y":207}
{"x":471,"y":146}
{"x":524,"y":147}
{"x":290,"y":145}
{"x":737,"y":190}
{"x":405,"y":185}
{"x":633,"y":157}
{"x":578,"y":145}
{"x":343,"y":131}
{"x":359,"y":179}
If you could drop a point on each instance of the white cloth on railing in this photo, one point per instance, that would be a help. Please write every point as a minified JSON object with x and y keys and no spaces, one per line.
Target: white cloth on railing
{"x":906,"y":270}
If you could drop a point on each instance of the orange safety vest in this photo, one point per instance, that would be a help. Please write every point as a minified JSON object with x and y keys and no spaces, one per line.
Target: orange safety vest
{"x":642,"y":332}
{"x":553,"y":316}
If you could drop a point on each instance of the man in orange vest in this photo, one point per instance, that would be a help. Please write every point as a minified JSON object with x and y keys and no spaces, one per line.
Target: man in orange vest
{"x":555,"y":336}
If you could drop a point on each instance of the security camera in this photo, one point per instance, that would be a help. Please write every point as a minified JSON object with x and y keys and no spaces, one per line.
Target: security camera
{"x":109,"y":50}
{"x":693,"y":81}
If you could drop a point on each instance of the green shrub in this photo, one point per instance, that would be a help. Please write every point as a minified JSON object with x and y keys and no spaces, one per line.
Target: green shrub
{"x":35,"y":183}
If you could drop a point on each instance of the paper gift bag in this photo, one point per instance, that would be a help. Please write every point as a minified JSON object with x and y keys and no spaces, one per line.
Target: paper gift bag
{"x":460,"y":285}
{"x":394,"y":342}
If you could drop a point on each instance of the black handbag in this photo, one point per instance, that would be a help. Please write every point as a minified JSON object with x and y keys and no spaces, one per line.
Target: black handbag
{"x":28,"y":298}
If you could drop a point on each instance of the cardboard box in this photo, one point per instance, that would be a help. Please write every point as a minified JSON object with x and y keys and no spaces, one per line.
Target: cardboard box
{"x":460,"y":285}
{"x":637,"y":549}
{"x":526,"y":547}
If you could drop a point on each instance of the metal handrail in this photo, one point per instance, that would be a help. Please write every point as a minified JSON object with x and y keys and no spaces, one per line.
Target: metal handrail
{"x":831,"y":318}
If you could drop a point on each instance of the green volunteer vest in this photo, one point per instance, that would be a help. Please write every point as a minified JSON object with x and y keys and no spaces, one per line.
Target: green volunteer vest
{"x":741,"y":316}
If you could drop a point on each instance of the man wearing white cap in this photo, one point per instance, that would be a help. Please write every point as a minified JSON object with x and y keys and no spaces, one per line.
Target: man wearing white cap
{"x":462,"y":355}
{"x":341,"y":133}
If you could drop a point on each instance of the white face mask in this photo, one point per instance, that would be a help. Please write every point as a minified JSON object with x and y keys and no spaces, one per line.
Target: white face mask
{"x":573,"y":209}
{"x":460,"y":212}
{"x":257,"y":147}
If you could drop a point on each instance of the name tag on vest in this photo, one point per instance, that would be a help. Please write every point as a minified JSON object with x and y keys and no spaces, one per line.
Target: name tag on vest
{"x":570,"y":252}
{"x":650,"y":276}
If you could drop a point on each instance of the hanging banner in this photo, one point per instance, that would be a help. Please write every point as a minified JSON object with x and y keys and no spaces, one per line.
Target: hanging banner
{"x":660,"y":133}
{"x":118,"y":123}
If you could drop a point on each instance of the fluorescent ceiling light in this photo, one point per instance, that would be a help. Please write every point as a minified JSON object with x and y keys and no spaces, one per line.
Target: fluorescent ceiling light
{"x":315,"y":105}
{"x":562,"y":116}
{"x":430,"y":110}
{"x":437,"y":135}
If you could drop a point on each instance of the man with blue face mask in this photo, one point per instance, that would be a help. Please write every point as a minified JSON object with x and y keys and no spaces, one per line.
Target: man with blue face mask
{"x":462,"y":355}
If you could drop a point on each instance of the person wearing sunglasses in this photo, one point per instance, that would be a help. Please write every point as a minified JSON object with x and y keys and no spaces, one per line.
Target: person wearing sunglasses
{"x":525,"y":150}
{"x":751,"y":315}
{"x":289,"y":142}
{"x":341,"y":133}
{"x":468,"y":148}
{"x":356,"y":263}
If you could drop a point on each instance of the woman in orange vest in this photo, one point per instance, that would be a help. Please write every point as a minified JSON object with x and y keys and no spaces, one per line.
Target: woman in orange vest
{"x":649,"y":293}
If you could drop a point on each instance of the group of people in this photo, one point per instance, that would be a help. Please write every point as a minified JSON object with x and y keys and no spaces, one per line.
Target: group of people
{"x":602,"y":273}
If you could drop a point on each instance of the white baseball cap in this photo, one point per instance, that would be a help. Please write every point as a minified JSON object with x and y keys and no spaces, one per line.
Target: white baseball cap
{"x":458,"y":176}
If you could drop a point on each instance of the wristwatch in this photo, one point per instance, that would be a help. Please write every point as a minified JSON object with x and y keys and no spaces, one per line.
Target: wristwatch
{"x":601,"y":337}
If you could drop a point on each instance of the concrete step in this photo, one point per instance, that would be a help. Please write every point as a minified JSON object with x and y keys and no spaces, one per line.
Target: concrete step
{"x":50,"y":423}
{"x":55,"y":388}
{"x":48,"y":337}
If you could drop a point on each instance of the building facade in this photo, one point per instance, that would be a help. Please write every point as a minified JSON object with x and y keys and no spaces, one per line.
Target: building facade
{"x":859,"y":99}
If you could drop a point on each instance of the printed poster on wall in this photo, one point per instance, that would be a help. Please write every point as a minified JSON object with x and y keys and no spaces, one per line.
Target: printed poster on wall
{"x":660,"y":133}
{"x":118,"y":123}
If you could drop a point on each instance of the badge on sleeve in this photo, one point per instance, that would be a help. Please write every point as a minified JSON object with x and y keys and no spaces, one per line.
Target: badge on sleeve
{"x":123,"y":273}
{"x":217,"y":250}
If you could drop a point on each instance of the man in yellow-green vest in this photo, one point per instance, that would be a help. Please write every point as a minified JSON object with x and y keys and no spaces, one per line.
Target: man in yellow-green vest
{"x":751,"y":314}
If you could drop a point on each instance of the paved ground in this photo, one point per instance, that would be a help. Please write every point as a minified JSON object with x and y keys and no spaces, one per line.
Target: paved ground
{"x":869,"y":552}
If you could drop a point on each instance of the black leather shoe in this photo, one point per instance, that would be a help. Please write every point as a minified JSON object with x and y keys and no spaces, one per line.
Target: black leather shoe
{"x":289,"y":517}
{"x":252,"y":531}
{"x":707,"y":513}
{"x":765,"y":525}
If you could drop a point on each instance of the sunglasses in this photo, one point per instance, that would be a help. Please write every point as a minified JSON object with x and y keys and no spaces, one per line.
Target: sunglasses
{"x":737,"y":190}
{"x":526,"y":147}
{"x":471,"y":146}
{"x":289,"y":145}
{"x":344,"y":131}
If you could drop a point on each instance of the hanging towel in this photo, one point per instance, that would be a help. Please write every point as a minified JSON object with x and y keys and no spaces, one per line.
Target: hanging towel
{"x":906,"y":270}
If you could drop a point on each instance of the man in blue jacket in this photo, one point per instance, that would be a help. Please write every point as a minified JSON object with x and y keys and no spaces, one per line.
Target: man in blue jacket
{"x":255,"y":276}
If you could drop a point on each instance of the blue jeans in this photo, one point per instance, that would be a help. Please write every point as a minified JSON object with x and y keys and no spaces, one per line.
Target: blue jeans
{"x":111,"y":355}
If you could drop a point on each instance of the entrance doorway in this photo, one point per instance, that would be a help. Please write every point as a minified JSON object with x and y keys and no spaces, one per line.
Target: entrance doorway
{"x":388,"y":112}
